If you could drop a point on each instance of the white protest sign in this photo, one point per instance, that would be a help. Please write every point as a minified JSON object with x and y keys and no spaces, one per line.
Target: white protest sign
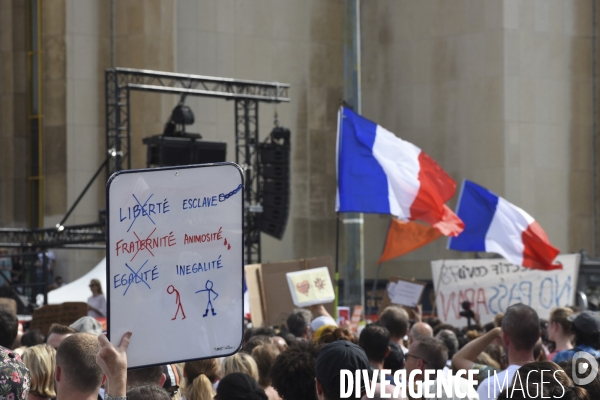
{"x":405,"y":293}
{"x":310,"y":287}
{"x":175,"y":262}
{"x":492,"y":285}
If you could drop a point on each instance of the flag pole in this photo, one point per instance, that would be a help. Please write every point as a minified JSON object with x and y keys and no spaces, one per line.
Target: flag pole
{"x":337,"y":259}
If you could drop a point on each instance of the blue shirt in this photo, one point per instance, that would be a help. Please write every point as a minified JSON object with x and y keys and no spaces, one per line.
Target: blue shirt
{"x":567,"y":355}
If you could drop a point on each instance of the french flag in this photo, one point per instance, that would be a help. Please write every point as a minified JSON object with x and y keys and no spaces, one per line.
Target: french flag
{"x":383,"y":174}
{"x":494,"y":225}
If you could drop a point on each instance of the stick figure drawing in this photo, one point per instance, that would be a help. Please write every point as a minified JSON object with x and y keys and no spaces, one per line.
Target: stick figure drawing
{"x":171,"y":289}
{"x":209,"y":288}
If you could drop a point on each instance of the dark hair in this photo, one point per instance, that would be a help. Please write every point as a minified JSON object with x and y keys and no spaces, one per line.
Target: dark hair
{"x":251,"y":332}
{"x":337,"y":334}
{"x":433,"y":351}
{"x":441,"y":327}
{"x":144,"y":376}
{"x":32,"y":338}
{"x":76,"y":356}
{"x":9,"y":326}
{"x":586,"y":338}
{"x":395,"y":360}
{"x":256,"y":341}
{"x":148,"y":392}
{"x":374,"y":340}
{"x":543,"y":380}
{"x":240,"y":386}
{"x":297,"y":321}
{"x":522,"y":325}
{"x":395,"y":320}
{"x":450,"y":340}
{"x":593,"y":388}
{"x":489,"y":326}
{"x":288,"y":337}
{"x":293,"y":373}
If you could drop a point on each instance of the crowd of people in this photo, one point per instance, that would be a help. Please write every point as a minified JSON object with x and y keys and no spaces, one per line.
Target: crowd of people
{"x":518,"y":356}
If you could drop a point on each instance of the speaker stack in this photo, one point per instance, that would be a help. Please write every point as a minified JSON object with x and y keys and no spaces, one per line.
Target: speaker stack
{"x":275,"y":171}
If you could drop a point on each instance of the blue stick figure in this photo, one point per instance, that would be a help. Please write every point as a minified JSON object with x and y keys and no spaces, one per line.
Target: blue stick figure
{"x":209,"y":288}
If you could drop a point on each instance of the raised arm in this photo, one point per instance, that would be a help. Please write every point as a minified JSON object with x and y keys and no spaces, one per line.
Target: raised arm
{"x":466,"y":356}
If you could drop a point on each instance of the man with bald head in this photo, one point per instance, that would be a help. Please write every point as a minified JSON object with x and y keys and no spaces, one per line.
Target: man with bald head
{"x":420,"y":330}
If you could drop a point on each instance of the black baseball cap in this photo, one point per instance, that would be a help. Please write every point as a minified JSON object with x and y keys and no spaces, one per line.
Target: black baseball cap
{"x":586,"y":321}
{"x":335,"y":357}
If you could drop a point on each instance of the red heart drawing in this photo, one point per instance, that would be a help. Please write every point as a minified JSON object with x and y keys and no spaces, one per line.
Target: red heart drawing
{"x":303,"y":287}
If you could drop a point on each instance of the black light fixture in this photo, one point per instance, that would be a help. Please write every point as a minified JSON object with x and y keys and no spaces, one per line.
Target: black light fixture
{"x":181,"y":116}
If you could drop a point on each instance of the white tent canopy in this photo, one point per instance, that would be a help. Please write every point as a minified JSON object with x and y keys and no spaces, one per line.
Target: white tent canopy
{"x":79,"y":290}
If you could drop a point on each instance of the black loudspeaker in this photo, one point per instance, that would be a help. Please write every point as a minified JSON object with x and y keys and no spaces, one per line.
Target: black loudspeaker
{"x":275,"y":172}
{"x":173,"y":151}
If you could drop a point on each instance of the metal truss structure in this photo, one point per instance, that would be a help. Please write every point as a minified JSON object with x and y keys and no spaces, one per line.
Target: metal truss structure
{"x":69,"y":236}
{"x":119,"y":82}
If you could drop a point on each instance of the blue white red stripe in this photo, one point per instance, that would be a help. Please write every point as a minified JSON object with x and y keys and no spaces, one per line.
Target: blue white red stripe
{"x":493,"y":224}
{"x":381,"y":173}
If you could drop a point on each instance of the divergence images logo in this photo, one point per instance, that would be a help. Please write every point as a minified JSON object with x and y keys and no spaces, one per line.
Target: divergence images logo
{"x":585,"y":368}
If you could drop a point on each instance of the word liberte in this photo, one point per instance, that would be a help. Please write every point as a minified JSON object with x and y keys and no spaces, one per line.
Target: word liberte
{"x":417,"y":388}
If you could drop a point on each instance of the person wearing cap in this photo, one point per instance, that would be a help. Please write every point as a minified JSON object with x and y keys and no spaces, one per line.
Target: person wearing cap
{"x":586,"y":326}
{"x":334,"y":357}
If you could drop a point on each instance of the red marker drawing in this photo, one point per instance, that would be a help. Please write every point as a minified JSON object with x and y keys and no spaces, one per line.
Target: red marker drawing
{"x":170,"y":290}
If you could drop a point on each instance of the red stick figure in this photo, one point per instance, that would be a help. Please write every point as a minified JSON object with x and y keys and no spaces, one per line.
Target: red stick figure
{"x":170,"y":290}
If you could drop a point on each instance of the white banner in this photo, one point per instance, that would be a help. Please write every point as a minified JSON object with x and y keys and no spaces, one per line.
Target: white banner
{"x":492,"y":285}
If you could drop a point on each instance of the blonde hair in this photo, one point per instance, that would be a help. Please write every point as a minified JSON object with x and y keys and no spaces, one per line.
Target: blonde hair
{"x":200,"y":375}
{"x":239,"y":362}
{"x":41,"y":360}
{"x":97,"y":282}
{"x":264,"y":356}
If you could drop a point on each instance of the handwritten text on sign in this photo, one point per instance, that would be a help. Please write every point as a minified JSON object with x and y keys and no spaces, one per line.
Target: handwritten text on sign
{"x":175,"y":256}
{"x":493,"y":285}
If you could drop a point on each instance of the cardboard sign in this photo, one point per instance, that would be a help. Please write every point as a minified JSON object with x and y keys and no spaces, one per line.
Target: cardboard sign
{"x":270,"y":298}
{"x":356,"y":314}
{"x":311,"y":286}
{"x":492,"y":285}
{"x":343,"y":315}
{"x":174,"y":262}
{"x":64,"y":314}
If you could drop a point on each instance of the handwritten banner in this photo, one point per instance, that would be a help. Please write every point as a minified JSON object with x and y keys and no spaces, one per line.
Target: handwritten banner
{"x":174,"y":262}
{"x":492,"y":285}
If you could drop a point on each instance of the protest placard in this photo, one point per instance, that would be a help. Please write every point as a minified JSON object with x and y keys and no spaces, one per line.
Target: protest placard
{"x":310,"y":287}
{"x":175,"y":262}
{"x":492,"y":285}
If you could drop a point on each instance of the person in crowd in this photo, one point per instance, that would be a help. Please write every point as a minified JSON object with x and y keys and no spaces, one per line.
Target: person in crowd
{"x":586,"y":327}
{"x":280,"y":343}
{"x":41,"y":361}
{"x":265,"y":356}
{"x":112,"y":361}
{"x":255,"y":341}
{"x":395,"y":359}
{"x":374,"y":340}
{"x":78,"y":376}
{"x":251,"y":332}
{"x":543,"y":380}
{"x":288,"y":337}
{"x":293,"y":372}
{"x":395,"y":320}
{"x":497,"y":353}
{"x":334,"y":357}
{"x":420,"y":330}
{"x":322,"y":331}
{"x":322,"y":319}
{"x":336,"y":334}
{"x":451,"y":341}
{"x":239,"y":362}
{"x":57,"y":333}
{"x":32,"y":338}
{"x":298,"y":323}
{"x":15,"y":374}
{"x":593,"y":388}
{"x":145,"y":377}
{"x":148,"y":392}
{"x":520,"y":332}
{"x":97,"y":301}
{"x":470,"y":356}
{"x":240,"y":386}
{"x":431,"y":353}
{"x":201,"y":377}
{"x":9,"y":326}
